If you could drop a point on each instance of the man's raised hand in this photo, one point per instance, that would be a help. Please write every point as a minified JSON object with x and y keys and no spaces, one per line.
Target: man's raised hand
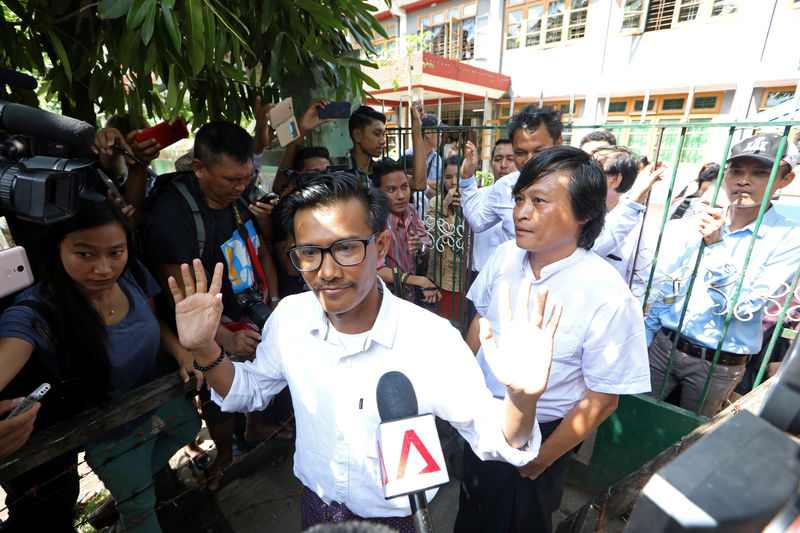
{"x":521,"y":360}
{"x":197,"y":313}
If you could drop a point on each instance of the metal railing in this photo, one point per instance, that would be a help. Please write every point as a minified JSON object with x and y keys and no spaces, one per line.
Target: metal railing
{"x":449,"y":233}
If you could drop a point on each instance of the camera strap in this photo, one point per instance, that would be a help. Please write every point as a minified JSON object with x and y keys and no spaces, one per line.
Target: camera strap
{"x":261,"y":279}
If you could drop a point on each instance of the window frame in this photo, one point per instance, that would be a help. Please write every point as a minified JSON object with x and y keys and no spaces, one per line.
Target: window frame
{"x":765,"y":92}
{"x":703,"y":15}
{"x":565,"y":28}
{"x":449,"y":23}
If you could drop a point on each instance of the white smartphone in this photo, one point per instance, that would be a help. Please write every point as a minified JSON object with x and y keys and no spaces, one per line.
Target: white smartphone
{"x":30,"y":400}
{"x":15,"y":271}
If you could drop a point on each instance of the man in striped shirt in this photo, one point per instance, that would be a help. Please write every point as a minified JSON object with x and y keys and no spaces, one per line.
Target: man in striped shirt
{"x":409,"y":240}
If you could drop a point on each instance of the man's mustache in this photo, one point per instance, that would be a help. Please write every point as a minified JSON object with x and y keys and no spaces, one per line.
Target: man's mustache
{"x":333,"y":286}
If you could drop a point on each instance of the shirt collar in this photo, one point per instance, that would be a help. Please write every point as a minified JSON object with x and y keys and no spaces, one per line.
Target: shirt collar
{"x":383,"y":331}
{"x":553,"y":268}
{"x":769,"y":219}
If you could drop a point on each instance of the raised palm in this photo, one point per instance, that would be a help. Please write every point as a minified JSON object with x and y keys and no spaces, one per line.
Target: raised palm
{"x":521,"y":360}
{"x":197,"y":313}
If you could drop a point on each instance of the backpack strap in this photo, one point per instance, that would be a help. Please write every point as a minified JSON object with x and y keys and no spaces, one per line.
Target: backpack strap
{"x":200,"y":227}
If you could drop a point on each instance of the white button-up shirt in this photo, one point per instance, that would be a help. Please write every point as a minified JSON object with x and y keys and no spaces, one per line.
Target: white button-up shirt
{"x":600,"y":341}
{"x":333,"y":392}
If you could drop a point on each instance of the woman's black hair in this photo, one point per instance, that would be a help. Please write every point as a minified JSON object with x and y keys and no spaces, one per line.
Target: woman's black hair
{"x":82,"y":331}
{"x":586,"y":186}
{"x":330,"y":188}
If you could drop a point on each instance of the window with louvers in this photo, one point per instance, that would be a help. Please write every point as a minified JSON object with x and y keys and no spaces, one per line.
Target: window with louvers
{"x":659,"y":15}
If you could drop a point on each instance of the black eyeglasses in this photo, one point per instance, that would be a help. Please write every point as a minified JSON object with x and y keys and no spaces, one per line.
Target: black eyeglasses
{"x":347,"y":252}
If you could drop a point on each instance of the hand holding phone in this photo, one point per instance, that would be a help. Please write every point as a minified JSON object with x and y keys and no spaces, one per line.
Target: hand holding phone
{"x":165,"y":133}
{"x":30,"y":400}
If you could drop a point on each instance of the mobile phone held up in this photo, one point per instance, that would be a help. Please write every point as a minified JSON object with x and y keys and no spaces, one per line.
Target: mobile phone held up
{"x":29,"y":400}
{"x":335,"y":110}
{"x":15,"y":271}
{"x":165,"y":133}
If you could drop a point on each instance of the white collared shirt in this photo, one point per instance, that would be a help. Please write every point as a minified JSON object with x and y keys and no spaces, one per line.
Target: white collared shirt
{"x":600,"y":341}
{"x":333,"y":392}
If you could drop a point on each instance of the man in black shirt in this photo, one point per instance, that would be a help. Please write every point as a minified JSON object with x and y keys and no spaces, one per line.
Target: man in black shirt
{"x":202,"y":214}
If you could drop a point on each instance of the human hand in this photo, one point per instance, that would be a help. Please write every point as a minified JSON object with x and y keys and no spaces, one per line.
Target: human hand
{"x":645,"y":180}
{"x":197,"y":313}
{"x":262,"y":209}
{"x":186,"y":368}
{"x":430,"y":292}
{"x":452,"y":198}
{"x":310,"y":119}
{"x":414,"y":243}
{"x":710,"y":225}
{"x":15,"y":432}
{"x":470,"y":163}
{"x":533,"y":469}
{"x":523,"y":371}
{"x":110,"y":160}
{"x":416,"y":114}
{"x":242,"y":342}
{"x":146,"y":151}
{"x":264,"y":132}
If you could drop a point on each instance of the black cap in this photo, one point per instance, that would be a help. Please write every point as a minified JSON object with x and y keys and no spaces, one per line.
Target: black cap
{"x":764,"y":148}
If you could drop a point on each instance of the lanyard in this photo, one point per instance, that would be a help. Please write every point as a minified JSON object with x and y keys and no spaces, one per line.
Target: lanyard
{"x":251,"y":252}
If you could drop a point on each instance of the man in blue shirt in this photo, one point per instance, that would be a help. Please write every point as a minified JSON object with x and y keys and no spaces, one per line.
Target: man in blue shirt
{"x":727,"y":235}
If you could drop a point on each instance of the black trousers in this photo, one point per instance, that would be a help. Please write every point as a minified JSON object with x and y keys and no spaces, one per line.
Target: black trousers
{"x":494,"y":497}
{"x":49,"y":507}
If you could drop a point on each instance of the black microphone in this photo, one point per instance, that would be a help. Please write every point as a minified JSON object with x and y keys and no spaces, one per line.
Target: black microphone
{"x":398,"y":402}
{"x":18,"y":118}
{"x":17,"y":79}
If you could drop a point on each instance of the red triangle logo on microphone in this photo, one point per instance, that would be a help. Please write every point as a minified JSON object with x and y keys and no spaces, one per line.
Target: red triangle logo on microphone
{"x":410,"y":438}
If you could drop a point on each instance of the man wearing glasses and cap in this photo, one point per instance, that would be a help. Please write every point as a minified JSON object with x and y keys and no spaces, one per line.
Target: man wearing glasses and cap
{"x":727,"y":234}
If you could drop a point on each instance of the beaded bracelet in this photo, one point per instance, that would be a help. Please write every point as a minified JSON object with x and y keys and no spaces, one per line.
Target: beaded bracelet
{"x":222,"y":354}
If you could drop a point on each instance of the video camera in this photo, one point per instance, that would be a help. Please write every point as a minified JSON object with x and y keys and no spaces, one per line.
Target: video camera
{"x":40,"y":181}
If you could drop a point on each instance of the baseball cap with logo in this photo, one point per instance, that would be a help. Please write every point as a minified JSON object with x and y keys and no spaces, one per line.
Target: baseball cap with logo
{"x":764,"y":148}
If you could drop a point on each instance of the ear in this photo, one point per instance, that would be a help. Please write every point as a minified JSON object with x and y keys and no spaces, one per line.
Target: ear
{"x":382,"y":242}
{"x":613,"y":180}
{"x":357,"y":135}
{"x":197,"y":166}
{"x":559,"y":141}
{"x":787,"y":179}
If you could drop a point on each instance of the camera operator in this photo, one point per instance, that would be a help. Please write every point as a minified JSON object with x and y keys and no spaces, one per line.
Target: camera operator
{"x":222,"y":168}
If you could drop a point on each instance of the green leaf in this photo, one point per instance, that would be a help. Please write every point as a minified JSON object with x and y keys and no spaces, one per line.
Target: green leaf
{"x":96,"y":83}
{"x":319,"y":11}
{"x":137,"y":13}
{"x":210,"y":21}
{"x":194,"y":34}
{"x":172,"y":88}
{"x":168,"y":3}
{"x":171,"y":23}
{"x":149,"y":22}
{"x":111,"y":9}
{"x":267,"y":12}
{"x":58,"y":46}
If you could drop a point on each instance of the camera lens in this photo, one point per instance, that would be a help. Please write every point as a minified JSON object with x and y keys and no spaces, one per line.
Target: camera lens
{"x":20,"y":268}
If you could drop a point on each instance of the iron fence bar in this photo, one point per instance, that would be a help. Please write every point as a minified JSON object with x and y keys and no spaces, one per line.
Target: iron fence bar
{"x":644,"y":216}
{"x":735,"y":299}
{"x":778,"y":328}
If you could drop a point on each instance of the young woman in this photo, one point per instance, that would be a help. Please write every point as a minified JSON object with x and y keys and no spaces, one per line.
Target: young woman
{"x":440,"y":222}
{"x":88,"y":328}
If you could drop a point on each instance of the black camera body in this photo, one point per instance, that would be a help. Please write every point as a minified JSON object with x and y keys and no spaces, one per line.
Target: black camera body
{"x":251,"y":302}
{"x":39,"y":180}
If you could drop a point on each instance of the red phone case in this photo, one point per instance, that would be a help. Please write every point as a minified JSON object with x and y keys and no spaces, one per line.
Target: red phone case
{"x":165,"y":133}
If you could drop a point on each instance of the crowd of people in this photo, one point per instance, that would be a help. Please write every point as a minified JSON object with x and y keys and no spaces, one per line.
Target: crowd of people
{"x":299,"y":301}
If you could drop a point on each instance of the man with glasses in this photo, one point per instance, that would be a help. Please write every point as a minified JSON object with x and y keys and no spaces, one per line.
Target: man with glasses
{"x":332,"y":346}
{"x":727,"y":234}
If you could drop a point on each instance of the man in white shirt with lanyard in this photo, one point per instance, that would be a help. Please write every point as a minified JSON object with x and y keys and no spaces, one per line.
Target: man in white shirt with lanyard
{"x":599,"y":351}
{"x":333,"y":344}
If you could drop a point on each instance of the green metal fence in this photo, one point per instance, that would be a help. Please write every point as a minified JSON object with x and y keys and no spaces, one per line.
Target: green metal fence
{"x":451,"y":234}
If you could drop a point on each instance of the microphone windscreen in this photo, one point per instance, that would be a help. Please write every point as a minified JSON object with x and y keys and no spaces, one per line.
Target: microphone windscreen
{"x":396,"y":397}
{"x":18,"y":118}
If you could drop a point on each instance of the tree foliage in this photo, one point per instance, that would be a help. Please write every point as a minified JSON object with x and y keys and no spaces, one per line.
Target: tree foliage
{"x":135,"y":56}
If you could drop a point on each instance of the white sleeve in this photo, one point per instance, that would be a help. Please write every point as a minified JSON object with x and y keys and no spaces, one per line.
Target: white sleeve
{"x":478,"y":206}
{"x":620,"y":221}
